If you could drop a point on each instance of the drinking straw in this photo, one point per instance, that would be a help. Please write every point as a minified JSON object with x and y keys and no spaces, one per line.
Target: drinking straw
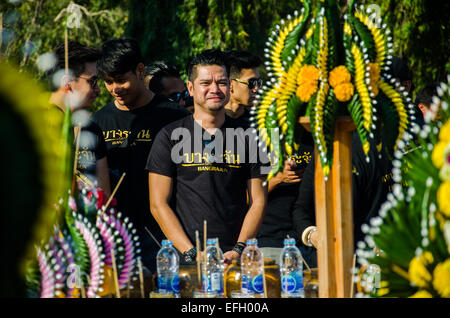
{"x":112,"y":194}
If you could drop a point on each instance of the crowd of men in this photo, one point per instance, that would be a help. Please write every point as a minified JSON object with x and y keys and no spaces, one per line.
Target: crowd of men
{"x":183,"y":151}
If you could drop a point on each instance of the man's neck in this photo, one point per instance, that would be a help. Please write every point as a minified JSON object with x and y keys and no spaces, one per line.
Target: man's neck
{"x":234,"y":110}
{"x":145,"y":98}
{"x":57,"y":98}
{"x":210,"y":121}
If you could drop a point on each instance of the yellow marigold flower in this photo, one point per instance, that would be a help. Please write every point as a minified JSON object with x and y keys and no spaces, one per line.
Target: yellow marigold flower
{"x":443,"y":198}
{"x":305,"y":91}
{"x":344,"y":92}
{"x":441,"y":278}
{"x":444,"y":133}
{"x":308,"y":74}
{"x":339,"y":75}
{"x":418,"y":273}
{"x":421,"y":294}
{"x":437,"y":156}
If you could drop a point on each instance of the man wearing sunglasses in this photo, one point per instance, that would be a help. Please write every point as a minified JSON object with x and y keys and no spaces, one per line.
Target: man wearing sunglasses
{"x":79,"y":91}
{"x":164,"y":78}
{"x":245,"y":82}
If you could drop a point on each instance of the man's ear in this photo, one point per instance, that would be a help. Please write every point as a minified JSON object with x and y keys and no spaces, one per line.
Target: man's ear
{"x":423,"y":108}
{"x":65,"y":83}
{"x":231,"y":86}
{"x":140,"y":71}
{"x":190,"y":87}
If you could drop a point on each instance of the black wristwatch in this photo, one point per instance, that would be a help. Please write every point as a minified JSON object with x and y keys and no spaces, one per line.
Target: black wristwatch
{"x":239,"y":247}
{"x":189,"y":256}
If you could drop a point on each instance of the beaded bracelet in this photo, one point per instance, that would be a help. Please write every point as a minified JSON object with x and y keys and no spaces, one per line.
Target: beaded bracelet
{"x":189,"y":256}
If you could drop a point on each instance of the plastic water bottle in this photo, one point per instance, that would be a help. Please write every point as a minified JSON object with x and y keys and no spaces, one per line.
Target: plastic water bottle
{"x":213,"y":272}
{"x":167,"y":263}
{"x":291,"y":268}
{"x":252,"y":268}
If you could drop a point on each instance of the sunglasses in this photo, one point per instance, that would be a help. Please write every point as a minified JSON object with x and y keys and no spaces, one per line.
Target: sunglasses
{"x":92,"y":81}
{"x":176,"y":97}
{"x":251,"y":83}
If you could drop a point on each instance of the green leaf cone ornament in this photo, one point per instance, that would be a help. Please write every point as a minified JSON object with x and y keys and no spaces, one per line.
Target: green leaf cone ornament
{"x":409,"y":242}
{"x":323,"y":67}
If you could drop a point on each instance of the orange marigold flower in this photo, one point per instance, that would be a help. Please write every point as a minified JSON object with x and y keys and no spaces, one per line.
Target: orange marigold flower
{"x":344,"y":92}
{"x":308,"y":74}
{"x":339,"y":75}
{"x":305,"y":91}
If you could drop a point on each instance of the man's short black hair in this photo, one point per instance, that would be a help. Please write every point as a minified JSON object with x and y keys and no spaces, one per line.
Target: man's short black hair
{"x":78,"y":55}
{"x":239,"y":60}
{"x":119,"y":56}
{"x":160,"y":70}
{"x":399,"y":69}
{"x":425,"y":95}
{"x":207,"y":57}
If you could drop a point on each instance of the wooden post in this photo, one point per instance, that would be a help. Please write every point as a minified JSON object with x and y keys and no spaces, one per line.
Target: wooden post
{"x":334,"y":214}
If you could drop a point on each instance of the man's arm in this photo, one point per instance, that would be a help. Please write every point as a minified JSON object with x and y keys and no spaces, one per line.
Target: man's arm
{"x":160,"y":188}
{"x":254,"y":216}
{"x":102,"y":175}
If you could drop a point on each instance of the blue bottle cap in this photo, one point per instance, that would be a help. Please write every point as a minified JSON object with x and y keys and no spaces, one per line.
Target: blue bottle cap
{"x":289,"y":241}
{"x":212,"y":241}
{"x":252,"y":241}
{"x":166,"y":243}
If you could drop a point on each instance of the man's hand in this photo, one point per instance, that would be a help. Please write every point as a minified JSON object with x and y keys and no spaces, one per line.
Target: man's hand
{"x":228,"y":258}
{"x":291,"y":174}
{"x":315,"y":238}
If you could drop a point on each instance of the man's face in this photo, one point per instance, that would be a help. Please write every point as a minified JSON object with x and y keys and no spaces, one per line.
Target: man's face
{"x":125,"y":88}
{"x":85,"y":86}
{"x":173,"y":86}
{"x":240,"y":91}
{"x":211,"y":88}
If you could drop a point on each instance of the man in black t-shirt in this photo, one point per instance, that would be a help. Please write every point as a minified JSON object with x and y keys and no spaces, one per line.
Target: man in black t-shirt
{"x":197,"y":173}
{"x":79,"y":91}
{"x":245,"y":82}
{"x":130,"y":124}
{"x":370,"y":184}
{"x":164,"y":79}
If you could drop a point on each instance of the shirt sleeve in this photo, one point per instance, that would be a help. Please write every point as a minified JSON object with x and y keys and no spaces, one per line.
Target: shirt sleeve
{"x":159,"y":159}
{"x":100,"y":151}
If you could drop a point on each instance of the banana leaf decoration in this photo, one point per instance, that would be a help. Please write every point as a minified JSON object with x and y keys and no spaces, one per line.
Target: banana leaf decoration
{"x":409,"y":241}
{"x":322,"y":66}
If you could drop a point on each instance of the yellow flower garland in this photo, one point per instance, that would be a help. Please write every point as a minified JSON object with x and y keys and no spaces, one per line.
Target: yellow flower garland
{"x":418,"y":273}
{"x":437,"y":156}
{"x":443,"y":194}
{"x":421,"y":294}
{"x":441,"y":278}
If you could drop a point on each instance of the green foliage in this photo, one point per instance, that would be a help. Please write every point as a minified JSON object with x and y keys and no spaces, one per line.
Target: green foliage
{"x":30,"y":30}
{"x":421,"y":35}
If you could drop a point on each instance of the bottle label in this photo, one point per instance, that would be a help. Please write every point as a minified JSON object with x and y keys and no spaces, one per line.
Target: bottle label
{"x":252,"y":285}
{"x":169,"y":284}
{"x":292,"y":283}
{"x":213,"y":283}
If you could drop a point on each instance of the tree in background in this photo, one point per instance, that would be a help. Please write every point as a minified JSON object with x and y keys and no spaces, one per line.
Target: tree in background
{"x":177,"y":30}
{"x":28,"y":29}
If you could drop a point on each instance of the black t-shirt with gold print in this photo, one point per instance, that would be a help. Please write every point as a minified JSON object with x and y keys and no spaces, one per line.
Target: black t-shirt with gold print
{"x":129,"y":135}
{"x":209,"y":177}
